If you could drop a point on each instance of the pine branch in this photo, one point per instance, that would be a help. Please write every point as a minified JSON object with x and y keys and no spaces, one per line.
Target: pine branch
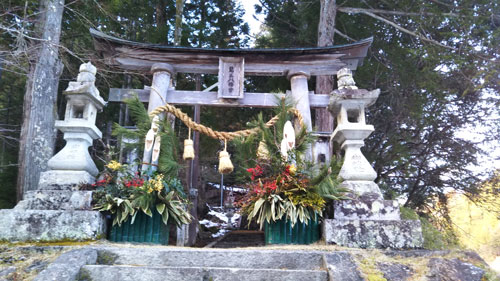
{"x":138,"y":113}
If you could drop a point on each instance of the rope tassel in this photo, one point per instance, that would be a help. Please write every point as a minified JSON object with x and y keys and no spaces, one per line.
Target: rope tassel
{"x":225,"y":165}
{"x":262,"y":151}
{"x":188,"y":148}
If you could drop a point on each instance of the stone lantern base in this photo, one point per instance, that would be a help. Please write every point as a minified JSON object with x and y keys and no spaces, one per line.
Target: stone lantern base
{"x":64,"y":180}
{"x":369,"y":223}
{"x":55,"y":212}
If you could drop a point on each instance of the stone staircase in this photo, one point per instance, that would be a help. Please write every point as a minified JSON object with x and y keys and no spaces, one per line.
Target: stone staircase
{"x":157,"y":263}
{"x":112,"y":262}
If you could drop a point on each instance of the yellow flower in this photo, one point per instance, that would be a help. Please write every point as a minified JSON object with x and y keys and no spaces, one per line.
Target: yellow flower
{"x":293,"y":169}
{"x":157,"y":182}
{"x":114,"y":165}
{"x":158,"y":185}
{"x":150,"y":190}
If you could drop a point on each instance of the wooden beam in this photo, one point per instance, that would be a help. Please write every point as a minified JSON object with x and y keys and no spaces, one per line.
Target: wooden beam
{"x":191,"y":98}
{"x":140,"y":57}
{"x":251,"y":68}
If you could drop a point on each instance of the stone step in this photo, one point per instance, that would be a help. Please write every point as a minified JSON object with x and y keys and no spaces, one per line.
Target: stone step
{"x":50,"y":225}
{"x":58,"y":200}
{"x":152,"y":273}
{"x":366,"y":209}
{"x":396,"y":234}
{"x":224,"y":258}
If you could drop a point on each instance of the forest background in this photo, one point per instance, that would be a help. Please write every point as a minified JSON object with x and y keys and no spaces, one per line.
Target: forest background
{"x":436,"y":63}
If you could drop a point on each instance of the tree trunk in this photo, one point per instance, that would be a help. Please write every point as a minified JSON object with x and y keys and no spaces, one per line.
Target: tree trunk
{"x":161,"y":18}
{"x":324,"y":84}
{"x":179,"y":8}
{"x":39,"y":112}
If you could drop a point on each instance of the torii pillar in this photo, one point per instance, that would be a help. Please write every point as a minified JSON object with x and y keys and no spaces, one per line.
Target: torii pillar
{"x":300,"y":95}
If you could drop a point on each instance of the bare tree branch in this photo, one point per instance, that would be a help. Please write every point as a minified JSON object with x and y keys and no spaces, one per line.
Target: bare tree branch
{"x":387,"y":12}
{"x":395,"y":25}
{"x":344,"y":35}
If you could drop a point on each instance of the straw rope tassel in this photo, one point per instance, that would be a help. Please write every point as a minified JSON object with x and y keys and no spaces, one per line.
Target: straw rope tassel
{"x":225,"y":165}
{"x":262,"y":151}
{"x":188,"y":148}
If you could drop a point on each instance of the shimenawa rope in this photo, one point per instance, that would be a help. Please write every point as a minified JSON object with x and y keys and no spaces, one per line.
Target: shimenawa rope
{"x":227,"y":136}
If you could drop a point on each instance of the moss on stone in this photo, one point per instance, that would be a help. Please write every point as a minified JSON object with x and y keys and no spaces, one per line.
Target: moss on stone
{"x":106,"y":257}
{"x":42,"y":243}
{"x":84,"y":275}
{"x":24,"y":259}
{"x":368,"y":268}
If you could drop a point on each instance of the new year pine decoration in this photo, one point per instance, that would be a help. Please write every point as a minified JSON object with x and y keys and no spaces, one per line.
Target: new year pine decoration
{"x":225,"y":165}
{"x":150,"y":136}
{"x":156,"y":149}
{"x":288,"y":142}
{"x":188,"y":148}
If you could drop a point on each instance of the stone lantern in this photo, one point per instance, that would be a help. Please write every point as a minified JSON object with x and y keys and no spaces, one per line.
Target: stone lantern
{"x":348,"y":104}
{"x":366,"y":220}
{"x":73,"y":164}
{"x":57,"y":210}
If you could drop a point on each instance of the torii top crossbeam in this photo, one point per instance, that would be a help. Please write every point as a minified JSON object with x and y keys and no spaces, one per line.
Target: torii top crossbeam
{"x":258,"y":62}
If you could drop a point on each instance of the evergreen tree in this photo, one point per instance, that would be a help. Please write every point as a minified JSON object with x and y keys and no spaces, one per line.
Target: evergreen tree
{"x":144,"y":21}
{"x":436,"y":64}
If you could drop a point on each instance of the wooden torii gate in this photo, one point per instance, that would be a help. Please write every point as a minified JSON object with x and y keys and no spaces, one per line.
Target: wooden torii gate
{"x":231,"y":65}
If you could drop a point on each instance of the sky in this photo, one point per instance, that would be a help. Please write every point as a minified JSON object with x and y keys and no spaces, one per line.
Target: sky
{"x":250,"y":15}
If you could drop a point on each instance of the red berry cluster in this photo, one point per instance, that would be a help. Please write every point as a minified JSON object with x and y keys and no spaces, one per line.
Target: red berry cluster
{"x":137,"y":182}
{"x":267,"y":187}
{"x":256,"y":172}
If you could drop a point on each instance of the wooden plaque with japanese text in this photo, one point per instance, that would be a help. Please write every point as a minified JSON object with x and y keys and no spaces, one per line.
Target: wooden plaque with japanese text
{"x":231,"y":75}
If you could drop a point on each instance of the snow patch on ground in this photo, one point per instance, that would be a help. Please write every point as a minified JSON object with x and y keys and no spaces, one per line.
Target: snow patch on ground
{"x":220,"y":221}
{"x":208,"y":223}
{"x":238,"y":189}
{"x":220,"y":233}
